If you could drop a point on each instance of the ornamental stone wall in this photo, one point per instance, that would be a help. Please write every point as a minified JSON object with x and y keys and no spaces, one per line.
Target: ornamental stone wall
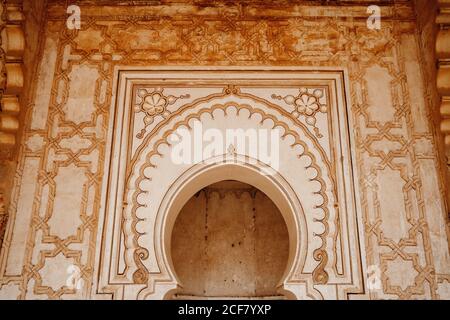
{"x":383,"y":232}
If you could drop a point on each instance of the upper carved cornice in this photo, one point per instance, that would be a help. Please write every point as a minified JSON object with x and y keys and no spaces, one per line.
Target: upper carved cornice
{"x":208,"y":3}
{"x":248,"y":9}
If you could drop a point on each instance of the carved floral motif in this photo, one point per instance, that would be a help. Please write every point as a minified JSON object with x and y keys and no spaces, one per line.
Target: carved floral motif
{"x":306,"y":103}
{"x":153,"y":102}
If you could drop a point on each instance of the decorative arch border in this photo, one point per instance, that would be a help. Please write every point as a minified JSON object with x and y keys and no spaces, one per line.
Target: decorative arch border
{"x":144,"y":284}
{"x":131,"y":218}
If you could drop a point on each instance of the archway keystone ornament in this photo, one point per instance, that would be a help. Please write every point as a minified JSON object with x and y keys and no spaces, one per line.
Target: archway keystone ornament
{"x":312,"y":185}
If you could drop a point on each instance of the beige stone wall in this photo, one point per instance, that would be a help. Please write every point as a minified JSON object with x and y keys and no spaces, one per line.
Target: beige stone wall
{"x":56,"y":200}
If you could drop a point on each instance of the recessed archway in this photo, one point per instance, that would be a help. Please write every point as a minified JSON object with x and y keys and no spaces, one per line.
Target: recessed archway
{"x":229,"y":240}
{"x":146,"y":195}
{"x":248,"y":171}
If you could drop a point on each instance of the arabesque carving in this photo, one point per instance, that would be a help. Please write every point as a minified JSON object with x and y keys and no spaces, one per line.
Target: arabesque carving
{"x":400,"y":200}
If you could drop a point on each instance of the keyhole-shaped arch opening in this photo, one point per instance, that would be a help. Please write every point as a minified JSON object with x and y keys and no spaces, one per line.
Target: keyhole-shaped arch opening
{"x":230,"y":240}
{"x":270,"y":189}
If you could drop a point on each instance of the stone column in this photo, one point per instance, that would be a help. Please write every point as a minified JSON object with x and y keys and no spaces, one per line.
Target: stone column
{"x":11,"y":85}
{"x":443,"y":74}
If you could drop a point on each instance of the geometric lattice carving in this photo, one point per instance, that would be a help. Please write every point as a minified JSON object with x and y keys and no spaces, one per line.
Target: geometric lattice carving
{"x":393,"y":140}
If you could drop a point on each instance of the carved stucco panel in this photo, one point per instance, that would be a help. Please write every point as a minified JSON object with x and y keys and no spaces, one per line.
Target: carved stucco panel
{"x":391,"y":140}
